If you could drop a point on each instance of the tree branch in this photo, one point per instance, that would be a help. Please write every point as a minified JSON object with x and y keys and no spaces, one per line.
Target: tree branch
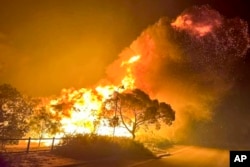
{"x":123,"y":122}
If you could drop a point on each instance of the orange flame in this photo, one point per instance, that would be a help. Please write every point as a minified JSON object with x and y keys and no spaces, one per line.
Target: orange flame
{"x":129,"y":80}
{"x":80,"y":109}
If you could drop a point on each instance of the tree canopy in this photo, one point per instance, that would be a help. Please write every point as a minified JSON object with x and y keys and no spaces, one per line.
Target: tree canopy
{"x":135,"y":108}
{"x":15,"y":110}
{"x":43,"y":121}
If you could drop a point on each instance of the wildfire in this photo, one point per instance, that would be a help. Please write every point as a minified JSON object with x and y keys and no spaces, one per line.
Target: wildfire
{"x":131,"y":60}
{"x":129,"y":81}
{"x":81,"y":109}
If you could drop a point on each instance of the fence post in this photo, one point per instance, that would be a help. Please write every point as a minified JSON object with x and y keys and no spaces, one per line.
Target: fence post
{"x":28,"y":146}
{"x":53,"y":141}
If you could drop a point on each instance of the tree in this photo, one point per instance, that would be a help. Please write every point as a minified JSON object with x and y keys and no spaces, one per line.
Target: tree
{"x":42,"y":121}
{"x":15,"y":110}
{"x":135,"y":108}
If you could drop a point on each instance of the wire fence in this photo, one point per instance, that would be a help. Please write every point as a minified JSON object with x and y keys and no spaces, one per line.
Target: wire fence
{"x":29,"y":144}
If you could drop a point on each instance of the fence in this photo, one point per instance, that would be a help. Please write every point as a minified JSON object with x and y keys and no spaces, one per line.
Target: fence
{"x":29,"y":144}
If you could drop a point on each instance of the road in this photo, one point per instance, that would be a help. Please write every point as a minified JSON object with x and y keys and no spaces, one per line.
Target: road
{"x":181,"y":156}
{"x":190,"y":156}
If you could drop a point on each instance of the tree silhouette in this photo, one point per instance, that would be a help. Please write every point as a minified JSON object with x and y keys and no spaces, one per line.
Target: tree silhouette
{"x":135,"y":108}
{"x":42,"y":121}
{"x":15,"y":110}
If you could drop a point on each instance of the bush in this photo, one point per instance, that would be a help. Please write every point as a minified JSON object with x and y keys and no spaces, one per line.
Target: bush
{"x":88,"y":147}
{"x":163,"y":143}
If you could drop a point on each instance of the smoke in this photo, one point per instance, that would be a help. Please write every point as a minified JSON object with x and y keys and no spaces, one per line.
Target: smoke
{"x":190,"y":63}
{"x":198,"y":22}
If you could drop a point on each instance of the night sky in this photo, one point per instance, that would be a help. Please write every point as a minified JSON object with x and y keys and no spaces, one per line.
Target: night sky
{"x":47,"y":45}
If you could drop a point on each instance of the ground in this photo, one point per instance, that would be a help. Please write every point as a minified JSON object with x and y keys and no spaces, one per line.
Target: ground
{"x":36,"y":159}
{"x":47,"y":159}
{"x":176,"y":156}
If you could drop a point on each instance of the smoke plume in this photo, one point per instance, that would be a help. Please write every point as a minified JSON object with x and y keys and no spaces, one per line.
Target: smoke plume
{"x":189,"y":62}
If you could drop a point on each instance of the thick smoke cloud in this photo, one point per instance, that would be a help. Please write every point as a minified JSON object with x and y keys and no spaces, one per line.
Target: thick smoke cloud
{"x":190,"y":63}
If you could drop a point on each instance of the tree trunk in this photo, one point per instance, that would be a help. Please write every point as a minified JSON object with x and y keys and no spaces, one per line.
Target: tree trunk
{"x":133,"y":131}
{"x":133,"y":135}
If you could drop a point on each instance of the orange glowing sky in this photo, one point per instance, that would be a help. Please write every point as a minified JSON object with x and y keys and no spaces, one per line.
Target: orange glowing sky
{"x":49,"y":45}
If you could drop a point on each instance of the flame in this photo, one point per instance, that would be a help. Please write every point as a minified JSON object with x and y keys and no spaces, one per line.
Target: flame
{"x":132,"y":60}
{"x":129,"y":80}
{"x":80,"y":109}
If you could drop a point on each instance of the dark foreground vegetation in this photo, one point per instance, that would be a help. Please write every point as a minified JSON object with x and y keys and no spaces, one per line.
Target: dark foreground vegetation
{"x":94,"y":147}
{"x":89,"y":150}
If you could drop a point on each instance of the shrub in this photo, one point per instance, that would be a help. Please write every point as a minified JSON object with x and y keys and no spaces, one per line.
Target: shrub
{"x":87,"y":147}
